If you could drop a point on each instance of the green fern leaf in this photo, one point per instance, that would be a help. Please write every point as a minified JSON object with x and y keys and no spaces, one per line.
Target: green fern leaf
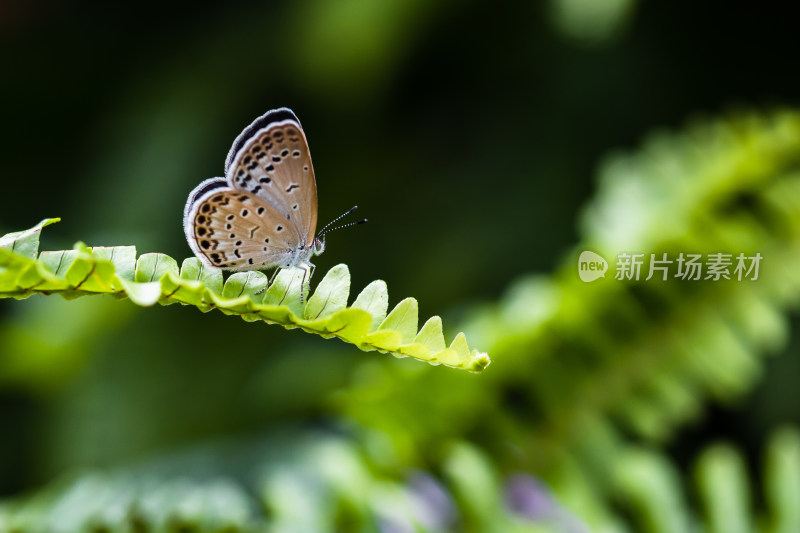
{"x":155,"y":278}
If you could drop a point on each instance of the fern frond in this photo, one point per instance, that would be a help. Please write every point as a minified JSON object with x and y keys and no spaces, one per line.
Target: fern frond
{"x":642,"y":356}
{"x":311,"y":482}
{"x":314,"y":481}
{"x":155,"y":278}
{"x":727,"y":495}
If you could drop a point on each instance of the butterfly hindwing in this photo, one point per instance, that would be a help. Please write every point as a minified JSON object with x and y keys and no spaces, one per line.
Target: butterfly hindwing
{"x":237,"y":230}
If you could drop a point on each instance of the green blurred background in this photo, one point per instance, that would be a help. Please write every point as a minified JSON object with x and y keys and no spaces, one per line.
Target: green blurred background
{"x":470,"y":134}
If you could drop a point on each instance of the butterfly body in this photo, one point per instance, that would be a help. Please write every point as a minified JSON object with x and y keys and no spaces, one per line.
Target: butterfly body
{"x":263,"y":213}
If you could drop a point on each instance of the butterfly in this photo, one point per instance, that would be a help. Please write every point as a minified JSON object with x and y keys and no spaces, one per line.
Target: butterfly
{"x":263,"y":213}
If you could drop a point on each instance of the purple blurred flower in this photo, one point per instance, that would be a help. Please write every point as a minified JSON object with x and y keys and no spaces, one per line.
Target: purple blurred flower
{"x":531,"y":499}
{"x":433,"y":505}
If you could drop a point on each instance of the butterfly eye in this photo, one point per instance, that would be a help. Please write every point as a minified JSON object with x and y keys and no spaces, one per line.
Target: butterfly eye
{"x":319,"y":246}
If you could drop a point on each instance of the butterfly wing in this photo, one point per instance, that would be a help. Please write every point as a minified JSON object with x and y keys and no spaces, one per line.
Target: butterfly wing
{"x":236,"y":229}
{"x":270,"y":159}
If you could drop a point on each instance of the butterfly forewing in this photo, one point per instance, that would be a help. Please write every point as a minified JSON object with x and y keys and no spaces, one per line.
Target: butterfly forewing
{"x":237,"y":230}
{"x":273,"y":162}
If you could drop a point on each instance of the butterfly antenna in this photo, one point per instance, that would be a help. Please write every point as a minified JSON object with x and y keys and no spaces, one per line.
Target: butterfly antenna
{"x":335,"y":220}
{"x":356,"y":223}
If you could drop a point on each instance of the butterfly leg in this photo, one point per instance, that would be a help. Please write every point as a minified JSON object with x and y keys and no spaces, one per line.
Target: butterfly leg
{"x":308,"y":271}
{"x":271,"y":279}
{"x":274,"y":275}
